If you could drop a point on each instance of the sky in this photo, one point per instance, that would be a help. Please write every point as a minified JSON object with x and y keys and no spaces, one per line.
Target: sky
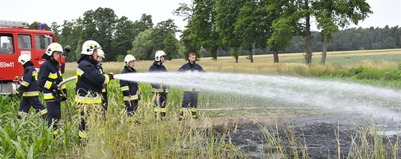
{"x":385,"y":12}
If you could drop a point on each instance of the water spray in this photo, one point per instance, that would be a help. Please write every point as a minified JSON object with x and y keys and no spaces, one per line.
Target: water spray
{"x":333,"y":95}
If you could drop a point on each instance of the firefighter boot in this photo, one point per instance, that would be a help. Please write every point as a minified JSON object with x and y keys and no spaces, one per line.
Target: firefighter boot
{"x":193,"y":113}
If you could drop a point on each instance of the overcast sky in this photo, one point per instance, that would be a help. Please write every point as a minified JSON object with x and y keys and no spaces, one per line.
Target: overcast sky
{"x":385,"y":12}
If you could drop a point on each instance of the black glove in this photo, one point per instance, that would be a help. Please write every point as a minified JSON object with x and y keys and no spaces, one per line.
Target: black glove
{"x":111,"y":75}
{"x":56,"y":95}
{"x":63,"y":97}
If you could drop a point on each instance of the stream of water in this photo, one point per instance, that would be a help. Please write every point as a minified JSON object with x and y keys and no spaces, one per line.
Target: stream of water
{"x":326,"y":94}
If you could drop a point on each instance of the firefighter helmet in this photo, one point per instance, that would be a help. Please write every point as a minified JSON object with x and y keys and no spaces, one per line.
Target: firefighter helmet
{"x":100,"y":53}
{"x":24,"y":58}
{"x":129,"y":58}
{"x":52,"y":48}
{"x":89,"y":46}
{"x":159,"y":54}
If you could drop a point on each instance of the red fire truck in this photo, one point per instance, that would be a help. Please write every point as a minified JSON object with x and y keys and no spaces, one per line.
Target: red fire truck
{"x":17,"y":39}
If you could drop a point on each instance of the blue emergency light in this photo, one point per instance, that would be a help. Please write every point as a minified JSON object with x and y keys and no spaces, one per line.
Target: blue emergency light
{"x":42,"y":26}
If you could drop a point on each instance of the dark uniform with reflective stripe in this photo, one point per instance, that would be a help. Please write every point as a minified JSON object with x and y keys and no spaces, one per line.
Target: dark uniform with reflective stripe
{"x":30,"y":90}
{"x":130,"y":92}
{"x":159,"y":90}
{"x":89,"y":85}
{"x":49,"y":78}
{"x":190,"y":100}
{"x":105,"y":100}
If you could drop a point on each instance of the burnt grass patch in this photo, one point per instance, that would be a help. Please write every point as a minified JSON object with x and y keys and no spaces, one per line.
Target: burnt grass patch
{"x":313,"y":137}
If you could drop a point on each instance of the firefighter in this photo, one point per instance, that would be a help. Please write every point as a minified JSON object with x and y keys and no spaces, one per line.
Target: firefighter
{"x":29,"y":88}
{"x":49,"y":77}
{"x":190,"y":99}
{"x":130,"y":89}
{"x":160,"y":91}
{"x":105,"y":101}
{"x":90,"y":82}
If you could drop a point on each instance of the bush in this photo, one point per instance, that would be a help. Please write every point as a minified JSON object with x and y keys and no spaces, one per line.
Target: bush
{"x":393,"y":75}
{"x":120,"y":58}
{"x":370,"y":74}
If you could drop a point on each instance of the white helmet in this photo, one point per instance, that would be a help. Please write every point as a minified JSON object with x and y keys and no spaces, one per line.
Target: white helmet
{"x":129,"y":58}
{"x":159,"y":54}
{"x":89,"y":46}
{"x":100,"y":53}
{"x":24,"y":58}
{"x":53,"y":47}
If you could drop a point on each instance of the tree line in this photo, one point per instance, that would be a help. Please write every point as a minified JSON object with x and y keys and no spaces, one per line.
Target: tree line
{"x":118,"y":36}
{"x":232,"y":27}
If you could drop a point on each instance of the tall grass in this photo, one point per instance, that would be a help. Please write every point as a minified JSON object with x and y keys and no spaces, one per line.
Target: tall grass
{"x":116,"y":136}
{"x":145,"y":136}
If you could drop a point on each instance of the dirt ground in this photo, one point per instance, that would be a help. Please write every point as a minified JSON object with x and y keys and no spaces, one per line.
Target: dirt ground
{"x":320,"y":136}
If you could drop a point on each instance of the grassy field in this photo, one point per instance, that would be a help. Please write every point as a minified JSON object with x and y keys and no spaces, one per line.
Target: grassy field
{"x":120,"y":136}
{"x":264,"y":63}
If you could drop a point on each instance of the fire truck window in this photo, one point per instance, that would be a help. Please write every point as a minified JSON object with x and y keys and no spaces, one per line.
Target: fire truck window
{"x":41,"y":42}
{"x":6,"y":44}
{"x":24,"y":42}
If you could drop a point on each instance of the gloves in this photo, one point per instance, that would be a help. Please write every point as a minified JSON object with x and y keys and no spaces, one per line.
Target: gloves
{"x":111,"y":75}
{"x":56,"y":95}
{"x":18,"y":92}
{"x":63,"y":97}
{"x":18,"y":80}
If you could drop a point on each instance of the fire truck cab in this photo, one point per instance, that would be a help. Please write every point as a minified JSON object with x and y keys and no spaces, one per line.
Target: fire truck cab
{"x":17,"y":39}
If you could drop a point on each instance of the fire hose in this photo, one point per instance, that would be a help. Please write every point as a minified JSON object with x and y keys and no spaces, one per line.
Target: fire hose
{"x":62,"y":92}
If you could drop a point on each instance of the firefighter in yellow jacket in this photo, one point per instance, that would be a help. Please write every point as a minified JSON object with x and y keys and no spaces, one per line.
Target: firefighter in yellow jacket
{"x":29,"y":88}
{"x":90,"y":81}
{"x":130,"y":89}
{"x":49,"y":77}
{"x":159,"y":90}
{"x":105,"y":101}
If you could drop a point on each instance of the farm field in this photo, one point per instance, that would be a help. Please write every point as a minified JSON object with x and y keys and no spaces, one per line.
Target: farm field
{"x":346,"y":109}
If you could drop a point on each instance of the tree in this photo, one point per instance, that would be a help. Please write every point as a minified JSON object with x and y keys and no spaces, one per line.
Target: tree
{"x":203,"y":31}
{"x":55,"y":28}
{"x":143,"y":24}
{"x":252,"y":26}
{"x":333,"y":13}
{"x":328,"y":13}
{"x":171,"y":46}
{"x":100,"y":25}
{"x":123,"y":36}
{"x":326,"y":23}
{"x":142,"y":46}
{"x":281,"y":37}
{"x":89,"y":29}
{"x":188,"y":39}
{"x":227,"y":12}
{"x":282,"y":26}
{"x":106,"y":21}
{"x":184,"y":10}
{"x":71,"y":35}
{"x":164,"y":33}
{"x":187,"y":36}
